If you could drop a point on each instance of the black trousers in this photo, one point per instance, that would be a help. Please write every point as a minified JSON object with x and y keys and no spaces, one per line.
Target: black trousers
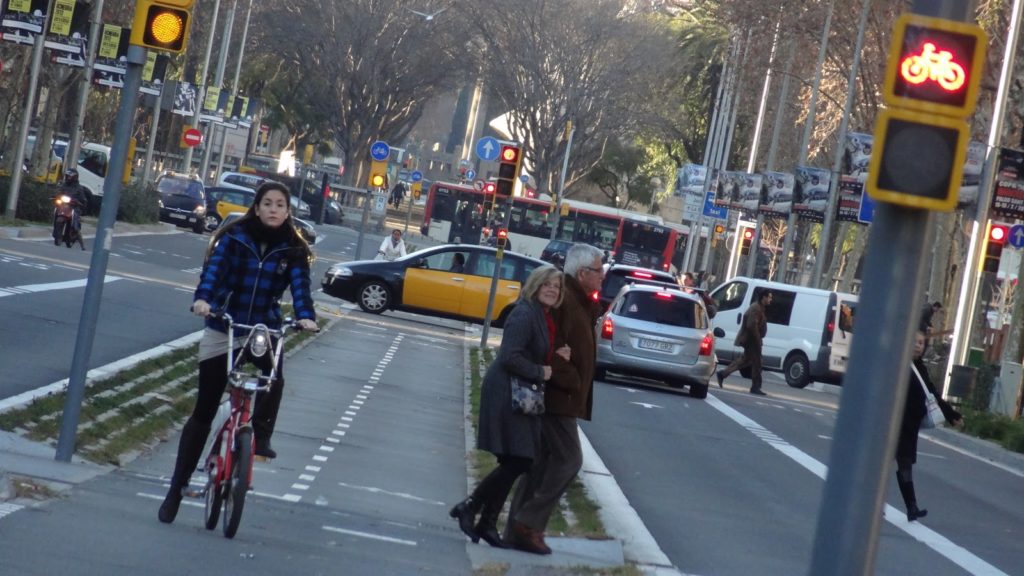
{"x":751,"y":357}
{"x":493,"y":490}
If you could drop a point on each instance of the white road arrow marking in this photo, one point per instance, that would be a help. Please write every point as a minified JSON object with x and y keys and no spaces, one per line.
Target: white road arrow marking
{"x":630,"y":390}
{"x":646,"y":405}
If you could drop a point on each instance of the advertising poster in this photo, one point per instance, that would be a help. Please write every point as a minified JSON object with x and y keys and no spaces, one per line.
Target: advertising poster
{"x":185,"y":95}
{"x":749,"y":193}
{"x":778,"y":194}
{"x":727,"y":193}
{"x":857,"y":155}
{"x":1008,"y":200}
{"x":690,"y":186}
{"x":810,"y":193}
{"x":972,"y":173}
{"x":111,"y":57}
{"x":209,"y":112}
{"x":248,"y":112}
{"x":153,"y":73}
{"x":22,"y":20}
{"x":225,"y":106}
{"x":851,"y":189}
{"x":68,"y":37}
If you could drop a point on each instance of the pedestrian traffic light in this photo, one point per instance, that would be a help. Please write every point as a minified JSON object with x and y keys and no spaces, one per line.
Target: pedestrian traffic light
{"x":162,"y":24}
{"x":378,"y":174}
{"x":502,"y":235}
{"x":994,"y":242}
{"x":935,"y":65}
{"x":746,"y":239}
{"x":919,"y":159}
{"x":510,"y":161}
{"x":489,"y":190}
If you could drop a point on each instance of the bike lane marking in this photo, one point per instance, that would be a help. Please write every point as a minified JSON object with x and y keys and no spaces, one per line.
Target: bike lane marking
{"x":36,"y":288}
{"x":945,"y":547}
{"x":326,"y":448}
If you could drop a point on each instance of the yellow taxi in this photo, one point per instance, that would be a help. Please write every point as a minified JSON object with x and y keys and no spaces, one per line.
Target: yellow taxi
{"x":221,"y":201}
{"x":450,"y":281}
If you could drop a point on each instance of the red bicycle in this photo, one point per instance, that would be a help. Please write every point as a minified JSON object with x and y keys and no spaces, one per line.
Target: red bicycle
{"x":230,"y":458}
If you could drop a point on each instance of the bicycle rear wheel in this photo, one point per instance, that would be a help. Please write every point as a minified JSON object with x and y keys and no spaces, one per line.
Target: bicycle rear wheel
{"x":214,"y":488}
{"x":238,"y":485}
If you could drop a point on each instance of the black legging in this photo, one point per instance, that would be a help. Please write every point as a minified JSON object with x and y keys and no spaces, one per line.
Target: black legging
{"x":493,"y":490}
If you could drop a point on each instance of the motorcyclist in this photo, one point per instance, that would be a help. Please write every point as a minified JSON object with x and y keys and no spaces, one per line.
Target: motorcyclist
{"x":79,"y":195}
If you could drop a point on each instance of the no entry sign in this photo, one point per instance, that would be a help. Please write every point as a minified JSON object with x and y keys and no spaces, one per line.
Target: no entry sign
{"x":192,"y":137}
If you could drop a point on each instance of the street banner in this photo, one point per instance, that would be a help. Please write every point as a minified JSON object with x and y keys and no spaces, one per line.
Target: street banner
{"x":851,"y":189}
{"x":185,"y":96}
{"x":226,"y":106}
{"x":21,"y":20}
{"x":810,"y":193}
{"x":1008,"y":200}
{"x":112,"y":57}
{"x":778,"y":194}
{"x":690,"y":186}
{"x":210,"y":112}
{"x":68,"y":38}
{"x":749,"y":193}
{"x":262,"y":140}
{"x":972,"y":173}
{"x":857,"y":155}
{"x":727,"y":189}
{"x":153,"y":73}
{"x":245,"y":116}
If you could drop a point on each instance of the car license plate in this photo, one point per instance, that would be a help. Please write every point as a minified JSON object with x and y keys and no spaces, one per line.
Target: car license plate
{"x":655,"y":345}
{"x":178,"y":216}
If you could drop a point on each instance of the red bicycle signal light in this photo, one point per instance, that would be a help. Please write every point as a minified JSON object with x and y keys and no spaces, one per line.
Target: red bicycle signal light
{"x":997,"y":234}
{"x":935,"y":65}
{"x":510,"y":160}
{"x":489,"y":188}
{"x":510,"y":154}
{"x":502,"y":233}
{"x":748,"y":233}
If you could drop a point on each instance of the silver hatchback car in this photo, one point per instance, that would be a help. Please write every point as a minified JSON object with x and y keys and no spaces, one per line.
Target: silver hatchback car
{"x":657,"y":333}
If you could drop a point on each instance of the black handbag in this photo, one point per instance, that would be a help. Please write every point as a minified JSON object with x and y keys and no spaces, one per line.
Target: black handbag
{"x":527,"y":397}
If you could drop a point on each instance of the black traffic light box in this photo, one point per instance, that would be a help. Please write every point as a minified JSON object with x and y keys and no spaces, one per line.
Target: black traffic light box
{"x":746,"y":239}
{"x":994,"y":242}
{"x":510,"y":162}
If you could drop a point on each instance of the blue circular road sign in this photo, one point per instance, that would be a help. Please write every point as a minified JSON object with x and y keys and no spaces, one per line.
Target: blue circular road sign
{"x":524,"y":178}
{"x":470,"y":174}
{"x":1016,"y":236}
{"x":416,"y":176}
{"x":487,"y":148}
{"x":380,"y":150}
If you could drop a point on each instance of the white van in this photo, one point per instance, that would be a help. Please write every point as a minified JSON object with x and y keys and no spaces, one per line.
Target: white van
{"x":801,"y":325}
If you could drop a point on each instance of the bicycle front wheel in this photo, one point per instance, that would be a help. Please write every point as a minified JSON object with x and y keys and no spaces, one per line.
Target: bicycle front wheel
{"x":234,"y":501}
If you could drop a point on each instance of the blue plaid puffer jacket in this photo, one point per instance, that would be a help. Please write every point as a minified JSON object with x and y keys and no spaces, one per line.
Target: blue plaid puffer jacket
{"x":237,"y":280}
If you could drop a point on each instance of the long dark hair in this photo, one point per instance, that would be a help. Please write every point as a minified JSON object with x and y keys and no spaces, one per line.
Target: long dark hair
{"x":295,"y":240}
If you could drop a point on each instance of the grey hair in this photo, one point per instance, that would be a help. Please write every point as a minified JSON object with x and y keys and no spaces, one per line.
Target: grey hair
{"x":580,"y":256}
{"x":537,"y":278}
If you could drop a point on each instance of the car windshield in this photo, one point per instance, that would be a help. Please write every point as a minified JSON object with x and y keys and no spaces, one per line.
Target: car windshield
{"x":662,"y":308}
{"x":189,"y":188}
{"x":616,"y":279}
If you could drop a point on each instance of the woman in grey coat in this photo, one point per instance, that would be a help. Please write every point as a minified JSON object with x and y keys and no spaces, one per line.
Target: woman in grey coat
{"x":526,"y":347}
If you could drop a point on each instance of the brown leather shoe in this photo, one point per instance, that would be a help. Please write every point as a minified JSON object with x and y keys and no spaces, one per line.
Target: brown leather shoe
{"x":528,"y":540}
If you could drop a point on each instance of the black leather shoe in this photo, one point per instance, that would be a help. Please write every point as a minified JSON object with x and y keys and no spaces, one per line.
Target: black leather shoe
{"x":169,"y":509}
{"x":913,"y":513}
{"x":263,"y":448}
{"x":757,"y":392}
{"x":721,"y":378}
{"x":490,"y":535}
{"x":465,"y":513}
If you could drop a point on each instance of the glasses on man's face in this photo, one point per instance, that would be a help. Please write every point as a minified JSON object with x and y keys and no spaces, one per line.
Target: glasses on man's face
{"x":597,"y":270}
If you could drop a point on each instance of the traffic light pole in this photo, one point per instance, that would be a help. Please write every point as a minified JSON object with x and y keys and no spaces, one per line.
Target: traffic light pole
{"x":494,"y":277}
{"x":561,"y":183}
{"x":876,"y":381}
{"x":100,"y":254}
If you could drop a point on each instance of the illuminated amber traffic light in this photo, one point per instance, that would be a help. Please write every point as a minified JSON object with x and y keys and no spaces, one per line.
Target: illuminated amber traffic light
{"x":162,"y":24}
{"x":378,"y":174}
{"x":510,"y":162}
{"x":935,"y":65}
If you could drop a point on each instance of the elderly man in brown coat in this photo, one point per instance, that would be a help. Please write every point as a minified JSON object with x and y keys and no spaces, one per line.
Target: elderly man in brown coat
{"x":751,"y":336}
{"x":569,"y":395}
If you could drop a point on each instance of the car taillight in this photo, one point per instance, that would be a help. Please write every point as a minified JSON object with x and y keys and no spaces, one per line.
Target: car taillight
{"x":607,"y":328}
{"x":829,"y":327}
{"x":665,"y":295}
{"x":706,"y":345}
{"x":595,"y":296}
{"x":643,"y":275}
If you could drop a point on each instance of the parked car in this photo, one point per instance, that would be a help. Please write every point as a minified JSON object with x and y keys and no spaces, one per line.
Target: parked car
{"x":221,"y":201}
{"x":305,"y":228}
{"x":801,"y":325}
{"x":182,"y":200}
{"x":433,"y":281}
{"x":249,"y":181}
{"x":555,"y":252}
{"x":658,"y":333}
{"x":618,"y":275}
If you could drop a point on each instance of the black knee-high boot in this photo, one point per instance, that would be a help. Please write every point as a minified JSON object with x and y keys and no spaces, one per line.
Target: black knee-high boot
{"x":265,"y":417}
{"x":910,"y":498}
{"x":190,"y":448}
{"x":487,"y":526}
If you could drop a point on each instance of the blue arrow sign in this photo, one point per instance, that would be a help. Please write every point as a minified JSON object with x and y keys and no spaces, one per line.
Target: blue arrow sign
{"x":380,"y":150}
{"x":470,"y":174}
{"x":719,"y":212}
{"x":487,"y":148}
{"x":1017,"y":236}
{"x":867,"y":208}
{"x":416,"y":176}
{"x":524,"y":178}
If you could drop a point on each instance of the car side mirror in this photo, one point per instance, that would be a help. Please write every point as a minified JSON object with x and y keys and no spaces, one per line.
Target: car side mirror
{"x":719,"y":333}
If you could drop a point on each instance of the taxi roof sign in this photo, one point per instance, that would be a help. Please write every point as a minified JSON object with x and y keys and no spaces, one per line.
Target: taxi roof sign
{"x":935,"y":65}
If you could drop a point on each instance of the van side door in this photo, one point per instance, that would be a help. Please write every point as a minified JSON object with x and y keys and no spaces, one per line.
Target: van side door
{"x":782,"y":334}
{"x":732,"y":299}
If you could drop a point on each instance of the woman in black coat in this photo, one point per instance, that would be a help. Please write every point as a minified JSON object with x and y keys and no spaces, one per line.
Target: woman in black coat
{"x":913,"y":412}
{"x":527,"y":344}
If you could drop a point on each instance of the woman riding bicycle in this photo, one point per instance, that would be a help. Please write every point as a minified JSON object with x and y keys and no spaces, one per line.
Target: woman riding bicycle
{"x":248,"y":266}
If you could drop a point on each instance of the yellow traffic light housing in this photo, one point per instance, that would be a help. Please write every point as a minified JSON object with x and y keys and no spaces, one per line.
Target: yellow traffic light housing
{"x":378,"y":174}
{"x":162,"y":24}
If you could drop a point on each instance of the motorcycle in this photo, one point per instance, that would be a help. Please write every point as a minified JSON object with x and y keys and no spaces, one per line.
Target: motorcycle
{"x":67,"y":227}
